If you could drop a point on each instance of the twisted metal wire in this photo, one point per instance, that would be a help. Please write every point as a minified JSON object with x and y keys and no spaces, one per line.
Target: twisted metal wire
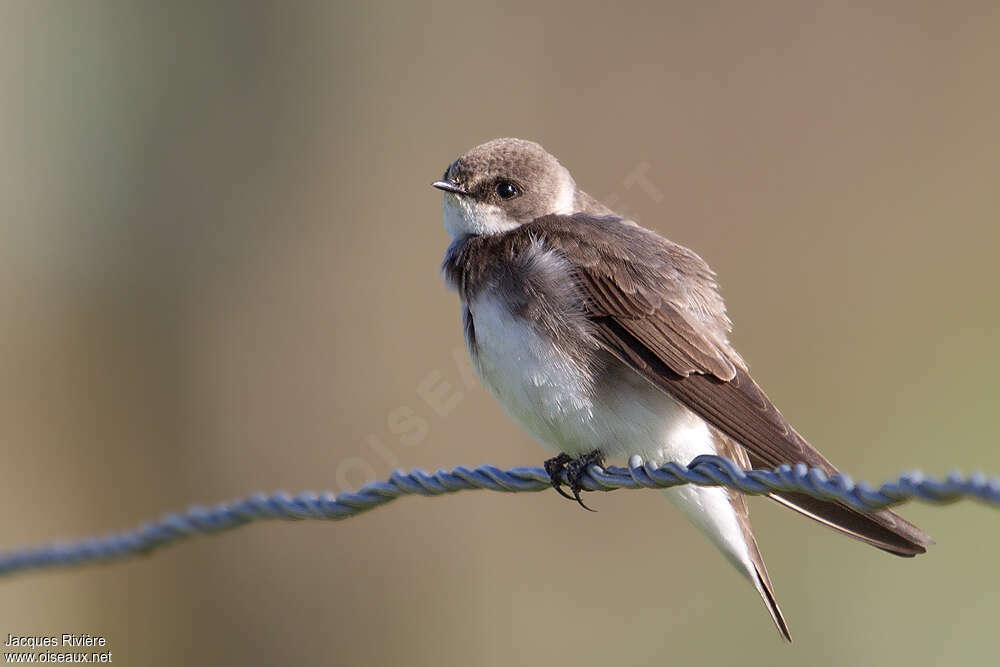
{"x":704,"y":470}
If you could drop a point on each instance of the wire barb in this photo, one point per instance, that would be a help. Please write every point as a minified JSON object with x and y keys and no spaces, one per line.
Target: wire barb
{"x":704,"y":470}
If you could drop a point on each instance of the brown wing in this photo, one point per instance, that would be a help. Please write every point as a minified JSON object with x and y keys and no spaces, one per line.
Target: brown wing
{"x":655,"y":305}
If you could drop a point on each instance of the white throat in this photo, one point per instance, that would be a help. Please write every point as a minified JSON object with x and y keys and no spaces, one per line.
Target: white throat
{"x":464,"y":216}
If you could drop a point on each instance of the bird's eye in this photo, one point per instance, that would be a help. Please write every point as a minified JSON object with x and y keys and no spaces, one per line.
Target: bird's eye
{"x":507,"y":190}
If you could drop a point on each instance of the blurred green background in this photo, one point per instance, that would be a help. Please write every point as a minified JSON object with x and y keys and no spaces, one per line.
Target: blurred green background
{"x":219,"y":274}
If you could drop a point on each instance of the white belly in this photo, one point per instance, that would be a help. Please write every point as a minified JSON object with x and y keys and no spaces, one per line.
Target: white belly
{"x":566,"y":409}
{"x":541,"y":388}
{"x":619,"y":412}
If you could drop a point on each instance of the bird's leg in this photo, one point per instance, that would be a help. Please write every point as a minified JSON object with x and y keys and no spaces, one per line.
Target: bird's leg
{"x":577,"y":468}
{"x":554,"y":468}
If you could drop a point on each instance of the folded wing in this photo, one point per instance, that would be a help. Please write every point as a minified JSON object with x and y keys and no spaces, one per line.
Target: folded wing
{"x":655,"y":306}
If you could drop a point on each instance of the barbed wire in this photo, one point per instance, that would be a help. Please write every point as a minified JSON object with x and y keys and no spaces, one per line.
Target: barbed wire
{"x":704,"y":470}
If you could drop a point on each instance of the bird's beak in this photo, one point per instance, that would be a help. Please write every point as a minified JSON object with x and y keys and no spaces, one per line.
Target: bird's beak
{"x":449,"y":186}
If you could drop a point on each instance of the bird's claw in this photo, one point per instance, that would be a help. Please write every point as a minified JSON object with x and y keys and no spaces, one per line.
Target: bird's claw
{"x":575,"y":470}
{"x":554,"y":468}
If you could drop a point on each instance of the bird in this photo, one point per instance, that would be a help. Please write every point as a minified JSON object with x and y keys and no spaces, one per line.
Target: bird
{"x":602,"y":338}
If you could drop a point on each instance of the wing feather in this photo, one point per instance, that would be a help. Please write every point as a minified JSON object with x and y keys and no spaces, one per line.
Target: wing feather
{"x":655,"y":306}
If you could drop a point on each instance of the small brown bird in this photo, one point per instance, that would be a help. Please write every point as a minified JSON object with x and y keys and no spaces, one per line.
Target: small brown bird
{"x":602,"y":338}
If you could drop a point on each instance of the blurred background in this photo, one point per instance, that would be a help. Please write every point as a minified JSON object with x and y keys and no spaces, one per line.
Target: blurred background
{"x":219,"y":260}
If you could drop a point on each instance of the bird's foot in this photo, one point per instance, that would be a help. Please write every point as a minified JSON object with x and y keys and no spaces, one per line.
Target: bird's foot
{"x":554,"y":468}
{"x":575,"y":470}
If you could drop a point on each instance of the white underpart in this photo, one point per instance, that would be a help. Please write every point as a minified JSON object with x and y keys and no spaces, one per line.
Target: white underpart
{"x":464,"y":216}
{"x":537,"y":384}
{"x":551,"y":397}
